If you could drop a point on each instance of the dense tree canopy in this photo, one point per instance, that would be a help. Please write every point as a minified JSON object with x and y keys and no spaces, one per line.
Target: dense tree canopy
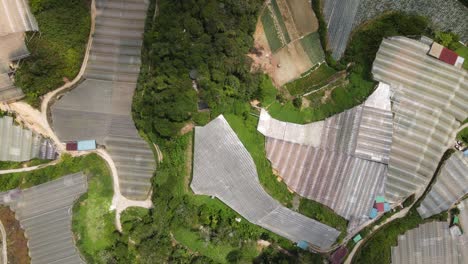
{"x":209,"y":36}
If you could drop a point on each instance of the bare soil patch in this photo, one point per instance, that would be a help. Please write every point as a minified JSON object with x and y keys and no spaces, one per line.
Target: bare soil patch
{"x":292,"y":61}
{"x":304,"y":17}
{"x":17,"y":244}
{"x":288,"y":19}
{"x":187,"y":128}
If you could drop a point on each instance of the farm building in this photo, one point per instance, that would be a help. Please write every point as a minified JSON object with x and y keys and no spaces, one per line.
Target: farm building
{"x":442,"y":53}
{"x":100,"y":107}
{"x":84,"y":145}
{"x":224,"y":168}
{"x":451,"y":184}
{"x":44,"y":212}
{"x":20,"y":144}
{"x":463,"y":239}
{"x":429,"y":102}
{"x":429,"y":243}
{"x":15,"y":19}
{"x":340,"y":162}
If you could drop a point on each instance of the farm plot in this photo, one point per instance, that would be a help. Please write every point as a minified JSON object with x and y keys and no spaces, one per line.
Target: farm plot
{"x":312,"y":81}
{"x":272,"y":35}
{"x":313,"y":48}
{"x":304,"y":18}
{"x":224,"y":168}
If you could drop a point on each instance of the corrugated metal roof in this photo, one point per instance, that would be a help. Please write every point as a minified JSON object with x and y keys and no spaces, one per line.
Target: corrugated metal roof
{"x":448,"y":56}
{"x":86,"y":145}
{"x":15,"y":16}
{"x":16,"y":143}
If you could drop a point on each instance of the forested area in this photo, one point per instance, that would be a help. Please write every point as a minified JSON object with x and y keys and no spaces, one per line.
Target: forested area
{"x":57,"y":50}
{"x":209,"y":37}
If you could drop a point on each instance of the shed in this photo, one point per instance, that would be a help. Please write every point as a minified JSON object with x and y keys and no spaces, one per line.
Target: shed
{"x":357,"y":238}
{"x":387,"y":207}
{"x":71,"y":146}
{"x":338,"y":256}
{"x":373,"y":213}
{"x":380,"y":207}
{"x":379,"y":199}
{"x":465,"y":153}
{"x":86,"y":145}
{"x":456,"y":220}
{"x":303,"y":245}
{"x":448,"y":56}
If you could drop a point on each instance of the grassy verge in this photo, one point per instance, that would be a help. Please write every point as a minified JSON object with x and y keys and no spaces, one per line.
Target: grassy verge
{"x":270,"y":31}
{"x":89,"y":164}
{"x":463,"y":52}
{"x":324,"y":215}
{"x":254,"y":142}
{"x":57,"y":51}
{"x":311,"y":45}
{"x":10,"y":165}
{"x":463,"y":135}
{"x":93,"y":223}
{"x":312,"y":81}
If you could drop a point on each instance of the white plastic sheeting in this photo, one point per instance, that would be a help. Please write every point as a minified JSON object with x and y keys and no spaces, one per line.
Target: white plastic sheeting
{"x":45,"y":214}
{"x":15,"y":16}
{"x":430,"y":243}
{"x":430,"y":99}
{"x":224,"y":168}
{"x":451,"y":184}
{"x":100,"y":107}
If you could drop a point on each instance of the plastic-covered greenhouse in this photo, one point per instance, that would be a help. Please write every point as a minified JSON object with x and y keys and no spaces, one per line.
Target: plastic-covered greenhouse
{"x":100,"y":107}
{"x":45,"y":214}
{"x":224,"y":168}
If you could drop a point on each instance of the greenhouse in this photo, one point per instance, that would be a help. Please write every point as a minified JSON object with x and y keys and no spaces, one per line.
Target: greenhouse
{"x":429,"y":102}
{"x":224,"y":168}
{"x":100,"y":107}
{"x":340,"y":162}
{"x":45,"y":214}
{"x":451,"y":185}
{"x":20,"y":144}
{"x":429,"y":243}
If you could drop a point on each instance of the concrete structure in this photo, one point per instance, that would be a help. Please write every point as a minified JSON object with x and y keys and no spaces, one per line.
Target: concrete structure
{"x":224,"y":168}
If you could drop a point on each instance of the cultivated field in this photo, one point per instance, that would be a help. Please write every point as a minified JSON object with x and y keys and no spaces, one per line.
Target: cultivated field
{"x":294,"y":46}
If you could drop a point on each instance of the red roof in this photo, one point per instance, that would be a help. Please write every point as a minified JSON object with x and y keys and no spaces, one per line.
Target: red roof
{"x":448,"y":56}
{"x":380,"y":207}
{"x":338,"y":256}
{"x":72,"y":146}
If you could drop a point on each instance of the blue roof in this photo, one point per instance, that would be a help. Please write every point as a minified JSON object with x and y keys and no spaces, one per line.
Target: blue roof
{"x":373,"y":213}
{"x":465,"y":153}
{"x":303,"y":244}
{"x":87,"y":144}
{"x":386,"y":207}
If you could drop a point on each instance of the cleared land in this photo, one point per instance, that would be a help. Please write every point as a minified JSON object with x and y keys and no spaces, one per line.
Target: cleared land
{"x":290,"y":28}
{"x":239,"y":188}
{"x":17,"y":244}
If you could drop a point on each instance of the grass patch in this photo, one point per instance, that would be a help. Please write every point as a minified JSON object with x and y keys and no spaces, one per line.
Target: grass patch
{"x":463,"y":52}
{"x":58,"y":51}
{"x":278,"y":15}
{"x":324,"y":215}
{"x":193,"y":241}
{"x":89,"y":164}
{"x":10,"y":165}
{"x":270,"y":31}
{"x":312,"y":81}
{"x":93,"y":223}
{"x":311,"y":45}
{"x":463,"y":135}
{"x":254,"y":142}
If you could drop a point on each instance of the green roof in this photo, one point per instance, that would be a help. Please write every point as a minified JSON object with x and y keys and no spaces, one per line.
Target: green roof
{"x":456,"y":220}
{"x":379,"y":199}
{"x":357,"y":238}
